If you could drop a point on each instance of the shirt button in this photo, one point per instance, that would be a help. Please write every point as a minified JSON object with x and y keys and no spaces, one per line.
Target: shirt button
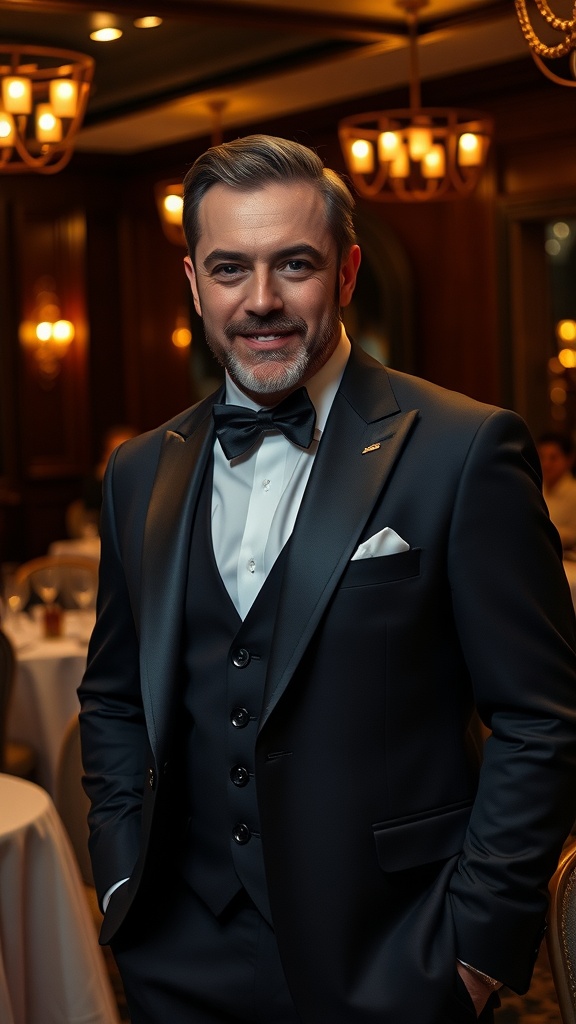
{"x":240,"y":657}
{"x":239,"y":717}
{"x":240,"y":776}
{"x":241,"y":834}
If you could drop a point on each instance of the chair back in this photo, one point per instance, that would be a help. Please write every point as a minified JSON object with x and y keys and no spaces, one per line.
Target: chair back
{"x":7,"y":670}
{"x":70,"y":799}
{"x":70,"y":576}
{"x":561,"y":933}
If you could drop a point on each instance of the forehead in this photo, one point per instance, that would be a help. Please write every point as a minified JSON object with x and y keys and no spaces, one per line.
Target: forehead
{"x":256,"y":221}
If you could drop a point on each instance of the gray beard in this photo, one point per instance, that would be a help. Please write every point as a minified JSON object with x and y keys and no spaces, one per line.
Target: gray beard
{"x":305,"y":363}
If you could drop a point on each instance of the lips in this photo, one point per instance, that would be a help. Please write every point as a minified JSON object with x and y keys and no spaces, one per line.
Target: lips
{"x":266,"y":331}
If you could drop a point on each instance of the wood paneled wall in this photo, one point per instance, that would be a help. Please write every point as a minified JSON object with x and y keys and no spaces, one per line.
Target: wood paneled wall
{"x":94,"y":230}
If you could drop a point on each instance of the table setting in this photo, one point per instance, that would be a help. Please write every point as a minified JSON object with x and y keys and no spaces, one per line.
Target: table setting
{"x":50,"y":655}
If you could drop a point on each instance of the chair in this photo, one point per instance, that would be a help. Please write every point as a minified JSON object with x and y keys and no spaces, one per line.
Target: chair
{"x":561,"y":933}
{"x":73,"y":805}
{"x":15,"y":758}
{"x":62,"y":572}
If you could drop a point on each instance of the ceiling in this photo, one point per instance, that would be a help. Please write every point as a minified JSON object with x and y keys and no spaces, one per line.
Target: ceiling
{"x":261,"y":59}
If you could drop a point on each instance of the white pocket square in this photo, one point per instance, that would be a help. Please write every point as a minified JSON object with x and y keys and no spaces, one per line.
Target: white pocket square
{"x":385,"y":542}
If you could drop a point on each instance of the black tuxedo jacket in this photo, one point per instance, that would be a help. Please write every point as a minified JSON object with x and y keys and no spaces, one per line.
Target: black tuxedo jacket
{"x":387,"y":854}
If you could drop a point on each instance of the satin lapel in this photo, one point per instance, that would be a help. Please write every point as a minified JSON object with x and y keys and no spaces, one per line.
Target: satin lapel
{"x":165,"y":566}
{"x":343,"y":487}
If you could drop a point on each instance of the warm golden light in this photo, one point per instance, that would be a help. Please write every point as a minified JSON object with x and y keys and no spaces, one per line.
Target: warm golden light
{"x":63,"y":97}
{"x":566,"y":330}
{"x":63,"y":332}
{"x":181,"y":337}
{"x":44,"y":331}
{"x":17,"y":94}
{"x":416,"y":148}
{"x":419,"y":142}
{"x":400,"y":166}
{"x":6,"y":128}
{"x":48,"y":127}
{"x":173,"y":208}
{"x":362,"y":156}
{"x":150,"y":21}
{"x":434,"y":162}
{"x":388,"y":145}
{"x":567,"y":357}
{"x":469,"y":150}
{"x":106,"y":35}
{"x":46,"y":91}
{"x":558,"y":395}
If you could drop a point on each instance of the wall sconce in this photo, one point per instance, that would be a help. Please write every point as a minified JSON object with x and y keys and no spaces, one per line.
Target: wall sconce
{"x":49,"y":336}
{"x":169,"y":199}
{"x":42,"y":106}
{"x":169,"y":194}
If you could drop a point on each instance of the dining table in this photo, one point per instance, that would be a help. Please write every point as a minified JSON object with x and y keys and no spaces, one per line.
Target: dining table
{"x":52,"y":970}
{"x":48,"y":673}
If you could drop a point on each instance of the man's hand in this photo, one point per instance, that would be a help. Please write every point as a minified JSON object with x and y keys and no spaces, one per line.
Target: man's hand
{"x":478,"y":989}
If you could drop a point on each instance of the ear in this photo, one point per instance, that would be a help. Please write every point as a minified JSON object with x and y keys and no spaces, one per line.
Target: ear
{"x":348,"y":275}
{"x":191,"y":275}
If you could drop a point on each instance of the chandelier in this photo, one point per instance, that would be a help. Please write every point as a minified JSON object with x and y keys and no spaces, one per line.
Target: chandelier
{"x":42,"y":106}
{"x":540,"y":50}
{"x":417,"y":154}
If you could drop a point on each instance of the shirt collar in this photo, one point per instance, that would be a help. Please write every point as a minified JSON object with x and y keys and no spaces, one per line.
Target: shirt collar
{"x":322,"y":387}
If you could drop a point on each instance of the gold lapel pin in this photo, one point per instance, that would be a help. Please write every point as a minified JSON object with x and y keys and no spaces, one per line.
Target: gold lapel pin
{"x":370,"y":448}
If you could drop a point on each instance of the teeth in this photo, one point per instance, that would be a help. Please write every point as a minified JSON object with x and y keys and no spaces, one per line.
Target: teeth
{"x":266,"y":337}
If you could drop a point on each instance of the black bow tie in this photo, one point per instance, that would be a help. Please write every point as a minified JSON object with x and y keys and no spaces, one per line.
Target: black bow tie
{"x":239,"y":428}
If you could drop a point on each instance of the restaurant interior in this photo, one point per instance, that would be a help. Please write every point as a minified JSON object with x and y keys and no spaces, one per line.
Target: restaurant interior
{"x":467,"y":280}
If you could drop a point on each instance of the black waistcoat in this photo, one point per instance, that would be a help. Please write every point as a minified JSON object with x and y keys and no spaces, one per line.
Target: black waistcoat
{"x":225,"y":663}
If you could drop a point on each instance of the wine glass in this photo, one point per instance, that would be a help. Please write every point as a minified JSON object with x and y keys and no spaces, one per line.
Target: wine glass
{"x":83,"y":588}
{"x":46,"y":584}
{"x":15,"y":597}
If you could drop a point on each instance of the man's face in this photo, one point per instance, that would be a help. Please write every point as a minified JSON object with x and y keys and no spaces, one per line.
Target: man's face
{"x":267,"y":283}
{"x":554,"y":462}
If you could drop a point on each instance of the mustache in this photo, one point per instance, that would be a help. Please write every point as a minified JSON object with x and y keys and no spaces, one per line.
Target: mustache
{"x":257,"y":324}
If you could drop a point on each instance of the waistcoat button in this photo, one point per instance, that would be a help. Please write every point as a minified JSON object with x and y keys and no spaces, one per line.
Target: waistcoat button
{"x":240,"y":657}
{"x":241,"y":834}
{"x":240,"y":776}
{"x":239,"y":717}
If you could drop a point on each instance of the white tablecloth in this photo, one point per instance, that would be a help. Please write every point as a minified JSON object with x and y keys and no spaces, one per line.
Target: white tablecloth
{"x":51,"y":968}
{"x":48,"y":674}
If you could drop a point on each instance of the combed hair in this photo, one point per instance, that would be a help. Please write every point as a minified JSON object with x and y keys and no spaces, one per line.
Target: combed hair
{"x":259,"y":160}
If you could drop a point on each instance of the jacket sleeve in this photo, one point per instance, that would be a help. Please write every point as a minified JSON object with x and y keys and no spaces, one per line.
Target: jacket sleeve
{"x":112,"y":724}
{"x":516,"y":626}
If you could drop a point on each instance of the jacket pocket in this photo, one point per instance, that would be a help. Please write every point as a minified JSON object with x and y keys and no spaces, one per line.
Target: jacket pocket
{"x":421,"y":839}
{"x":365,"y":572}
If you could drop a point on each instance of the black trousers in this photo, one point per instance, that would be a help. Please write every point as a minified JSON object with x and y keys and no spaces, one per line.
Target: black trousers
{"x":182,"y":965}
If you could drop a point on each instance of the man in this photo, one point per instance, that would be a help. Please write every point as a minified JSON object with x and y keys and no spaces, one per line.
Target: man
{"x":288,"y":818}
{"x":556,"y":451}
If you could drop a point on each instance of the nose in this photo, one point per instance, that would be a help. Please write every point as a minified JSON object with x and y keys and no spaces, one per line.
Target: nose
{"x":263,"y":294}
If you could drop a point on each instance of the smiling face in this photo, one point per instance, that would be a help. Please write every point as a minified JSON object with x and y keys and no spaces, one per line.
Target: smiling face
{"x":267,"y":283}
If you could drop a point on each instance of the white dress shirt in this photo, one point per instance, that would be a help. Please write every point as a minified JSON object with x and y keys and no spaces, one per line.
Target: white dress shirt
{"x":256,"y":497}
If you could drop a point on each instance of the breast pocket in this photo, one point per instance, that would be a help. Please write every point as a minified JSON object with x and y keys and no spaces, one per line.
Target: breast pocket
{"x":367,"y":572}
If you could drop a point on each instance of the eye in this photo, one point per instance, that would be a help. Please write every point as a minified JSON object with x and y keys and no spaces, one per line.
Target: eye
{"x":227,"y":270}
{"x":297,"y":266}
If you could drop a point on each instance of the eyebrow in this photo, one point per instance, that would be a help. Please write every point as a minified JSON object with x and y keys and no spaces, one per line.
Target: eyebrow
{"x":290,"y":252}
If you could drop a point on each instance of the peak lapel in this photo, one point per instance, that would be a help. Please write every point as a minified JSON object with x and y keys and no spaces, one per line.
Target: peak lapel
{"x":356,"y":454}
{"x":181,"y":467}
